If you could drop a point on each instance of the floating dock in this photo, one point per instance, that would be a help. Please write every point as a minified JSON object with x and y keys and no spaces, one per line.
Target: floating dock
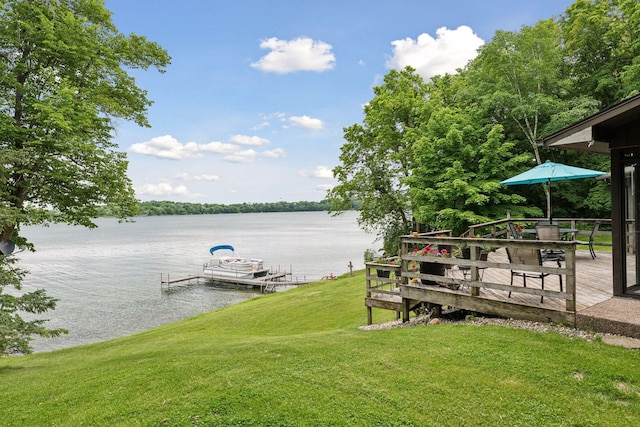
{"x":266,"y":284}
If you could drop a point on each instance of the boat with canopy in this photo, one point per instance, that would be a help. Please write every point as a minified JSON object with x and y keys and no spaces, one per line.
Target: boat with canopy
{"x":232,"y":265}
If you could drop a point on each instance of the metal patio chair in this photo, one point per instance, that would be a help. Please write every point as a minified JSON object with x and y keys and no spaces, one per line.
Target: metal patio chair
{"x":528,"y":257}
{"x":592,"y":236}
{"x":466,"y":269}
{"x":550,"y":232}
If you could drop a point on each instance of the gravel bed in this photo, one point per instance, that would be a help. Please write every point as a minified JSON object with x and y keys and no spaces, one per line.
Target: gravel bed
{"x":479,"y":320}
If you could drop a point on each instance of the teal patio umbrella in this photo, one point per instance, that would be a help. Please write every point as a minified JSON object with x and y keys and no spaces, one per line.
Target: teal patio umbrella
{"x":548,"y":172}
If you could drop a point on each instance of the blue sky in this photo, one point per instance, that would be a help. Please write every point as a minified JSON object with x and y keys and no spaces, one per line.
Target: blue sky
{"x":253,"y":105}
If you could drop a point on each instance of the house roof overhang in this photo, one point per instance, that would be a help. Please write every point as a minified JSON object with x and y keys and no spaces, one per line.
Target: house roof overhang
{"x":595,"y":133}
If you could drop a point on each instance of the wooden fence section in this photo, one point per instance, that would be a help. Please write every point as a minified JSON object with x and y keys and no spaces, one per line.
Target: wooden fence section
{"x":498,"y":228}
{"x":383,"y":288}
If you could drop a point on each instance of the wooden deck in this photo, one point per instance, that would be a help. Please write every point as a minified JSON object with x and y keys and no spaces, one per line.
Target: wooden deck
{"x":593,"y":281}
{"x":490,"y":295}
{"x":586,"y":299}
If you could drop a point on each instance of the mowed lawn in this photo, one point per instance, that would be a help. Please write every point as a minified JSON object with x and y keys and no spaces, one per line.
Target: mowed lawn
{"x":298,"y":358}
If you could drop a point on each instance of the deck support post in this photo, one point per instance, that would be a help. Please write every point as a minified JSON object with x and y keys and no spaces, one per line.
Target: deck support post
{"x":405,"y":309}
{"x":435,"y":309}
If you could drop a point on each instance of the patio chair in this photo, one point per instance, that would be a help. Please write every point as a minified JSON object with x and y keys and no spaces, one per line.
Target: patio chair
{"x":466,"y":269}
{"x":515,"y":234}
{"x":550,"y":232}
{"x":592,"y":236}
{"x":528,"y":257}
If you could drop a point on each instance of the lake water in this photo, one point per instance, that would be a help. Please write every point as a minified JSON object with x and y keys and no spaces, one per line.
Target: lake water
{"x":107,"y":279}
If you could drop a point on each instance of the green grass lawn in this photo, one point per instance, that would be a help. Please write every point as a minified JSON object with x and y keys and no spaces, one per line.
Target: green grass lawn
{"x":297,"y":358}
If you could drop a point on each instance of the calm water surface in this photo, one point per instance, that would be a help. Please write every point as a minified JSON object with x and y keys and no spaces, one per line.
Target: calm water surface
{"x":107,"y":279}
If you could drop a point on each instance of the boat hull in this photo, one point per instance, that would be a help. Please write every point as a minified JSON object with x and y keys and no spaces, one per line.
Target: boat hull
{"x":235,"y":267}
{"x":219,"y":272}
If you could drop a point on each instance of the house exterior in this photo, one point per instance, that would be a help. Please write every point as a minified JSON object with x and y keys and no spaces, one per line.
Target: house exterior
{"x":615,"y":132}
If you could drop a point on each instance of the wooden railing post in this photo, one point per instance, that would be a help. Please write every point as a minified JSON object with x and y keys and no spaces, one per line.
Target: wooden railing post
{"x":369,"y":309}
{"x":475,"y":251}
{"x":570,"y":263}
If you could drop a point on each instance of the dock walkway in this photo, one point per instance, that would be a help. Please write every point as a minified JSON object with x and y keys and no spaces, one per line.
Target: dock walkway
{"x":266,"y":284}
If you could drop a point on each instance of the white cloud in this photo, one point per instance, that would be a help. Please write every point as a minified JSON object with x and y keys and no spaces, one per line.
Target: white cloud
{"x":450,"y":50}
{"x":245,"y":156}
{"x":248,"y":140}
{"x":274,"y":154}
{"x":323,"y":172}
{"x":268,"y":118}
{"x":206,"y":177}
{"x":212,"y":147}
{"x":167,"y":147}
{"x":306,"y":122}
{"x":186,"y":177}
{"x":261,"y":125}
{"x":162,"y":189}
{"x":301,"y":54}
{"x":322,"y":188}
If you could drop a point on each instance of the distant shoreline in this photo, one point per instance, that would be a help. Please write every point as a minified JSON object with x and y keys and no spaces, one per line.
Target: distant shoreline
{"x":162,"y":208}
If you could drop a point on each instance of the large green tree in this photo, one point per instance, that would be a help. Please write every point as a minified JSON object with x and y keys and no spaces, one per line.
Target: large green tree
{"x":378,"y":157}
{"x":64,"y":83}
{"x":602,"y":48}
{"x":519,"y":81}
{"x":459,"y":163}
{"x":516,"y":80}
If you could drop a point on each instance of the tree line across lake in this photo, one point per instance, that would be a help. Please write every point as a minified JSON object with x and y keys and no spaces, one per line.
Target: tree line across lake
{"x":155,"y":208}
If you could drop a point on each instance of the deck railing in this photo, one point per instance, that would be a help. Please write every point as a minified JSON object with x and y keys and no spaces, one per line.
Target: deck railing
{"x":485,"y":285}
{"x":474,"y":294}
{"x":383,"y":284}
{"x":498,"y":228}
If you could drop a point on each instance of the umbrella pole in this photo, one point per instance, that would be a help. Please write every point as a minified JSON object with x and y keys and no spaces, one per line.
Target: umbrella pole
{"x":549,"y":199}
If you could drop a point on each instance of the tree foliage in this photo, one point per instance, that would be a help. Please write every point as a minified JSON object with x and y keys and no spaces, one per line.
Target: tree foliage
{"x":378,"y":156}
{"x":154,"y":208}
{"x":459,"y":164}
{"x":516,"y":80}
{"x":602,"y":48}
{"x":15,"y":330}
{"x":63,"y":84}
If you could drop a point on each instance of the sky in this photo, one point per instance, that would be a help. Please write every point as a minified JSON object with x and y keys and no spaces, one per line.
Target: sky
{"x":253,"y":106}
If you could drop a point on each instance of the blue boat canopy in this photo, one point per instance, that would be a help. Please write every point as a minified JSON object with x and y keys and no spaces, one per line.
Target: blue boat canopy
{"x":216,"y":248}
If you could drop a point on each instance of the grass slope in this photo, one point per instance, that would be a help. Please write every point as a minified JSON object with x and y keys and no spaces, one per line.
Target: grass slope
{"x":298,"y":359}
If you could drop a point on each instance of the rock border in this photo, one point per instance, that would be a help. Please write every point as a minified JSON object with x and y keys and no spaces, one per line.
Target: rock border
{"x":424,"y":320}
